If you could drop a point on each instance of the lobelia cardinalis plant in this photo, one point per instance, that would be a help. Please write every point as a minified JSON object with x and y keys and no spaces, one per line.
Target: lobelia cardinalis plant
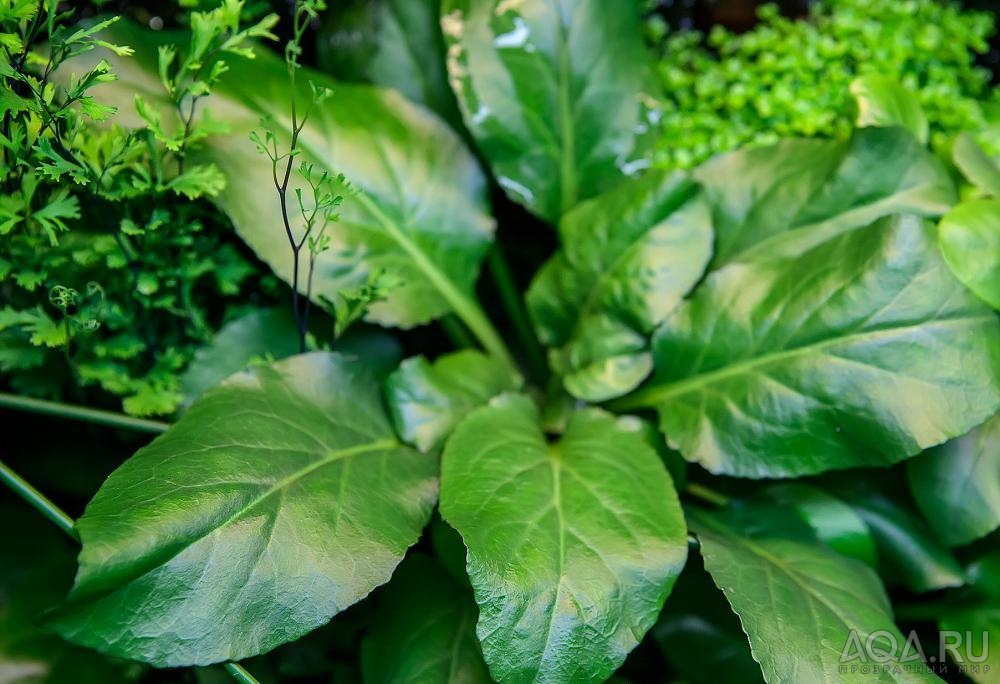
{"x":736,"y":358}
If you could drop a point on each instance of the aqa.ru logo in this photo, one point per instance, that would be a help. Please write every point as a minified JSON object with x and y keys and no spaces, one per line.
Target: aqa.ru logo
{"x":881,"y":651}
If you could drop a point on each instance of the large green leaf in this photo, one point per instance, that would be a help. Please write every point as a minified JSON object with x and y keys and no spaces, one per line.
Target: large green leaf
{"x":393,"y":43}
{"x":427,"y":400}
{"x":863,"y":351}
{"x":573,"y":545}
{"x":627,"y":258}
{"x":421,"y":210}
{"x":784,"y":199}
{"x":425,"y":630}
{"x":551,"y":90}
{"x":799,"y":601}
{"x":279,"y":499}
{"x":957,"y":485}
{"x":883,"y":101}
{"x":970,"y":241}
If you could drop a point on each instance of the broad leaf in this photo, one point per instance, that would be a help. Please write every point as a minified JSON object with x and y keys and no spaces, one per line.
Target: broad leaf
{"x":573,"y":545}
{"x":969,"y":236}
{"x":957,"y":485}
{"x":427,"y":400}
{"x":393,"y":43}
{"x":863,"y":351}
{"x":884,"y":102}
{"x":834,"y":522}
{"x":976,"y":165}
{"x":627,"y":258}
{"x":420,"y":212}
{"x":551,"y":92}
{"x":908,"y":552}
{"x":279,"y":499}
{"x":425,"y":630}
{"x":799,"y":602}
{"x":784,"y":199}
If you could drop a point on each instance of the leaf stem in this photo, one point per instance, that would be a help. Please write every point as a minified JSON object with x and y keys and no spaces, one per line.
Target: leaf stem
{"x":240,"y":673}
{"x":456,"y":332}
{"x":514,"y":305}
{"x":465,"y":308}
{"x":88,"y":415}
{"x":38,"y":500}
{"x":706,"y":494}
{"x":65,"y":523}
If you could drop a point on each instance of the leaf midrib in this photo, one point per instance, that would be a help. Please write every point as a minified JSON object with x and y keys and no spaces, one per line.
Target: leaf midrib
{"x":656,"y":394}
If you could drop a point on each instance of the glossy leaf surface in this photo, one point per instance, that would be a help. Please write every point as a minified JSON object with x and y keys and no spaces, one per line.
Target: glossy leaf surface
{"x":279,"y":499}
{"x":798,"y":601}
{"x":784,"y":199}
{"x":970,"y":241}
{"x":883,"y":101}
{"x":863,"y":351}
{"x":427,"y":400}
{"x":573,"y":546}
{"x":425,"y":630}
{"x":555,"y":116}
{"x":420,"y":212}
{"x":957,"y":485}
{"x":627,"y":259}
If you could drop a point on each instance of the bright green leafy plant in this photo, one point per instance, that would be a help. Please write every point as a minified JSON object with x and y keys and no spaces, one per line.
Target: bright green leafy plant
{"x":819,"y":349}
{"x":793,"y":77}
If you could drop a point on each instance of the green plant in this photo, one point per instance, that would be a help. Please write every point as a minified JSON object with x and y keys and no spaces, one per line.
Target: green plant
{"x":825,"y":389}
{"x":790,"y":77}
{"x":91,"y":213}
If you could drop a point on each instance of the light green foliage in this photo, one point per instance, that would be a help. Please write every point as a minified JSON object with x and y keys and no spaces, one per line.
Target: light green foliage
{"x":90,"y":209}
{"x":788,"y":77}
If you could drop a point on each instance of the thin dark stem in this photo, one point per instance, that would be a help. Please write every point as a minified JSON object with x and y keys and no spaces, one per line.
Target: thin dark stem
{"x":66,"y":523}
{"x":38,"y":500}
{"x":88,"y":415}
